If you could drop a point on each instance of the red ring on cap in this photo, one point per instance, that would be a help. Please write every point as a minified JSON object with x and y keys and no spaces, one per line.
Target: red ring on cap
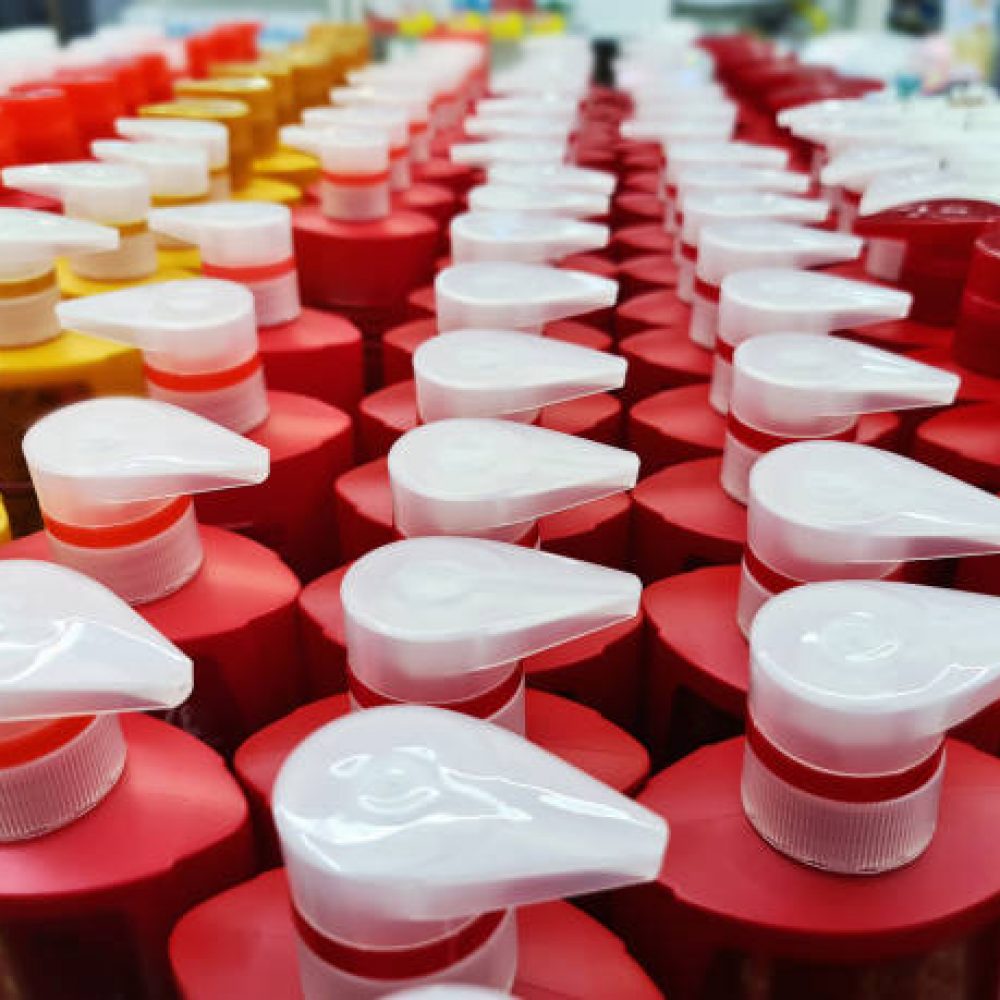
{"x":116,"y":536}
{"x":251,"y":273}
{"x":355,"y":180}
{"x":203,"y":381}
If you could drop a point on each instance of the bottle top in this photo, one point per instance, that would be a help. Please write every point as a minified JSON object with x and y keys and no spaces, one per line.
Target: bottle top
{"x":397,"y":824}
{"x":553,"y":175}
{"x":485,"y":154}
{"x":707,"y":177}
{"x":541,"y":105}
{"x":468,"y":476}
{"x":501,"y":295}
{"x":212,"y":137}
{"x":497,"y":197}
{"x":524,"y":237}
{"x":705,"y":208}
{"x":486,"y":373}
{"x":781,"y":300}
{"x":856,"y":168}
{"x":342,"y":150}
{"x":392,"y":121}
{"x":714,"y":116}
{"x":746,"y":154}
{"x":865,"y":677}
{"x":97,"y":463}
{"x":518,"y":127}
{"x":110,"y":193}
{"x":817,"y":507}
{"x":174,"y":171}
{"x":231,"y":234}
{"x":727,"y":247}
{"x":888,"y":191}
{"x":783,"y":384}
{"x":199,"y":343}
{"x":424,"y":612}
{"x":412,"y":101}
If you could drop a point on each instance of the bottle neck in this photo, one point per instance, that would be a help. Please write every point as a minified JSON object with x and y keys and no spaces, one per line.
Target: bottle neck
{"x":274,"y":286}
{"x":349,"y":196}
{"x":149,"y":556}
{"x":28,"y":309}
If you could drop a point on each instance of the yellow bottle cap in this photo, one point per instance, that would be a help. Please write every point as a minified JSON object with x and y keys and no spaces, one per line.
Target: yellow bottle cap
{"x":254,"y":91}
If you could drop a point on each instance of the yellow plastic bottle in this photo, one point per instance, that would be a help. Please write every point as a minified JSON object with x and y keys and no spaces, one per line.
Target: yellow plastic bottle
{"x":42,"y":367}
{"x":110,"y":194}
{"x":277,"y":71}
{"x":257,"y":92}
{"x":5,"y":535}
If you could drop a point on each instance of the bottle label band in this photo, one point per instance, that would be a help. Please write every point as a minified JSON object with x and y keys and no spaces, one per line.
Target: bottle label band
{"x":28,"y":286}
{"x":342,"y":179}
{"x":763,"y":441}
{"x":251,"y":273}
{"x":399,"y":963}
{"x":480,"y":706}
{"x":116,"y":536}
{"x":854,"y":788}
{"x":706,"y":290}
{"x":203,"y":381}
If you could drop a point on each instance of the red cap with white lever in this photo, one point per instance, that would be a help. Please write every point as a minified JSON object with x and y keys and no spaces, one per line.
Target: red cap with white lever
{"x":797,"y":386}
{"x":198,"y":340}
{"x":527,"y":237}
{"x":114,"y":477}
{"x":853,"y":686}
{"x":410,"y":834}
{"x":72,"y":658}
{"x":412,"y":102}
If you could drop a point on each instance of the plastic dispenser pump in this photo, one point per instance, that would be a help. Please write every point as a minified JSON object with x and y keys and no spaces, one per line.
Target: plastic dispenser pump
{"x":824,"y":510}
{"x":727,"y":247}
{"x":199,"y":344}
{"x":412,"y":834}
{"x":522,"y":198}
{"x":249,"y":242}
{"x":524,"y":238}
{"x":113,"y":195}
{"x":553,"y":175}
{"x":354,"y":185}
{"x":514,"y":151}
{"x":797,"y":386}
{"x":178,"y":173}
{"x":853,"y":686}
{"x":779,"y":300}
{"x":72,"y":658}
{"x":114,"y":477}
{"x":492,"y":373}
{"x":500,"y":295}
{"x":447,"y":621}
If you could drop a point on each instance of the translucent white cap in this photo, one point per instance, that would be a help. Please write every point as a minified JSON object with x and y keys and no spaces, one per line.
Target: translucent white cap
{"x":858,"y":681}
{"x":497,"y":197}
{"x":212,"y":137}
{"x":341,"y":149}
{"x":174,"y":170}
{"x":518,"y":127}
{"x":232,"y":234}
{"x":535,"y":106}
{"x":727,"y":247}
{"x":474,"y":476}
{"x":186,"y":330}
{"x":781,"y":300}
{"x":31,"y":241}
{"x":484,"y":154}
{"x":553,"y":175}
{"x":840,"y":133}
{"x":397,"y":824}
{"x":904,"y":188}
{"x":710,"y":119}
{"x":513,"y":296}
{"x":819,"y":507}
{"x":111,"y":475}
{"x":393,"y":121}
{"x":706,"y":177}
{"x":100,"y":192}
{"x":522,"y":236}
{"x":422,"y":615}
{"x":857,"y":167}
{"x":702,"y":208}
{"x":486,"y":373}
{"x":787,"y":383}
{"x":412,"y":100}
{"x":69,"y":649}
{"x":745,"y":154}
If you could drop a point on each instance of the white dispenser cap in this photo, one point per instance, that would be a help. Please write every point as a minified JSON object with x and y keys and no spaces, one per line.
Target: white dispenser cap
{"x":341,"y":149}
{"x":496,"y":197}
{"x":553,"y":175}
{"x":399,"y":824}
{"x":70,"y":649}
{"x":392,"y":121}
{"x":704,"y":208}
{"x":424,"y":616}
{"x":30,"y":242}
{"x":706,"y":177}
{"x":746,"y":154}
{"x":727,"y":247}
{"x":410,"y":99}
{"x":781,"y":300}
{"x":818,"y":508}
{"x":519,"y":236}
{"x":198,"y":339}
{"x":485,"y":154}
{"x":486,"y":373}
{"x":537,"y":105}
{"x":711,"y":119}
{"x":857,"y":167}
{"x":473,"y":476}
{"x":518,"y":127}
{"x":893,"y":190}
{"x":111,"y":193}
{"x":174,"y":170}
{"x":512,"y":296}
{"x":113,"y":476}
{"x":852,"y":688}
{"x":212,"y":137}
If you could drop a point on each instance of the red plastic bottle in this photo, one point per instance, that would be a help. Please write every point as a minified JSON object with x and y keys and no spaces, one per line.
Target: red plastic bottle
{"x":111,"y":827}
{"x":114,"y":478}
